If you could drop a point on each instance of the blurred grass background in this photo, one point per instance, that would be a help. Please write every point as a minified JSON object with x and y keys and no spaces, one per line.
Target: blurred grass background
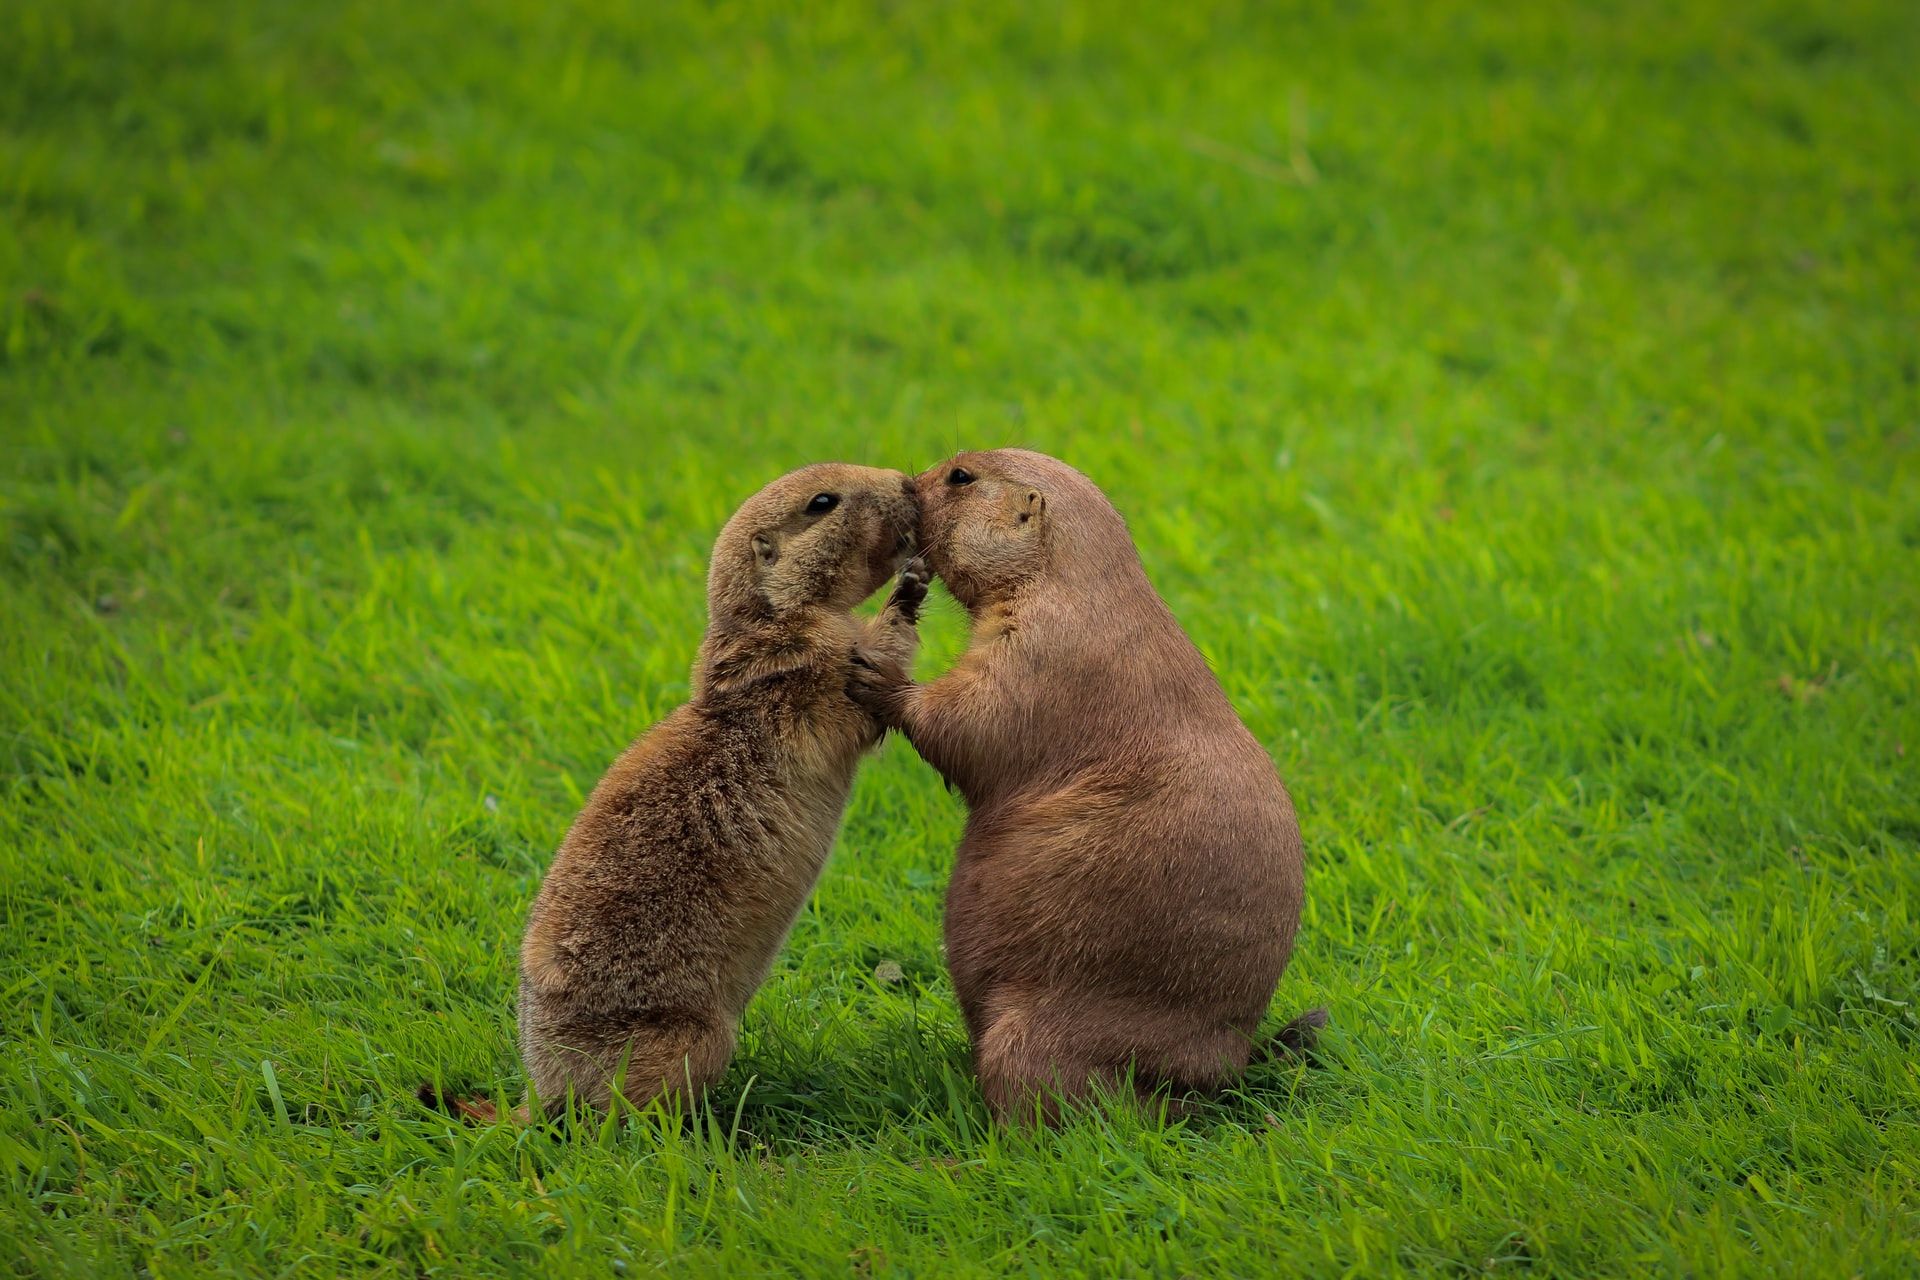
{"x":1519,"y":408}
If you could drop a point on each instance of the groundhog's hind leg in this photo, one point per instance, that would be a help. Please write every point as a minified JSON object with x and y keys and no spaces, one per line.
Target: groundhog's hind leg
{"x":1031,"y":1061}
{"x":684,"y":1064}
{"x":1194,"y":1060}
{"x":682,"y":1060}
{"x":1025,"y":1075}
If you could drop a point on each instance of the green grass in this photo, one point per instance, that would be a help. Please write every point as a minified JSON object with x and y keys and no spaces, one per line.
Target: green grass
{"x":1521,"y":412}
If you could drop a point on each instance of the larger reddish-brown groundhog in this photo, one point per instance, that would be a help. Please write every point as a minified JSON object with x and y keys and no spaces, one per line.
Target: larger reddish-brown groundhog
{"x":679,"y":880}
{"x":1127,"y":890}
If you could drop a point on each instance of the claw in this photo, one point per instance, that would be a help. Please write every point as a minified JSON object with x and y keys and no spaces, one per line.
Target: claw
{"x":911,"y":590}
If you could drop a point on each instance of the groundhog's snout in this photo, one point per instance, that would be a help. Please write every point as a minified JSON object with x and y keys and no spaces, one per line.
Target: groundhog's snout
{"x":912,"y":494}
{"x":906,"y":514}
{"x":926,"y":490}
{"x":935,"y":498}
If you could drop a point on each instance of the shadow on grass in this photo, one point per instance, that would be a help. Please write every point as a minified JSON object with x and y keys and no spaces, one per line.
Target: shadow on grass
{"x":910,"y":1076}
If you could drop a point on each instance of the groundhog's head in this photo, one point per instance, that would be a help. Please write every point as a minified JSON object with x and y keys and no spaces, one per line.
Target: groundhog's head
{"x":993,"y":521}
{"x":825,"y":536}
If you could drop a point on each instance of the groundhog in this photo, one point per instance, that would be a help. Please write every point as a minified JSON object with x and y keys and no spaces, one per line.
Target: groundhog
{"x":1125,"y":896}
{"x":678,"y":882}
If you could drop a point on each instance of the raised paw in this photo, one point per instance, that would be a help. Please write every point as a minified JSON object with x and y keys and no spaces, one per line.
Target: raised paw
{"x":875,"y":681}
{"x":910,"y":592}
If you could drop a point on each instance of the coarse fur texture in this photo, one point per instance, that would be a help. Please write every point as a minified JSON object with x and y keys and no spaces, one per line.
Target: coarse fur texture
{"x":1542,"y":482}
{"x":1127,"y":890}
{"x":679,"y":880}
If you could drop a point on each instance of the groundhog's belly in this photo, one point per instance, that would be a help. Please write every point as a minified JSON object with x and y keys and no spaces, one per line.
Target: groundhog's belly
{"x":684,"y":923}
{"x":1185,"y":899}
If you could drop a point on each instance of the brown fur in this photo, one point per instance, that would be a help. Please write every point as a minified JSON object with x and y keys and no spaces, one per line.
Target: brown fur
{"x":1127,"y":890}
{"x":679,"y":880}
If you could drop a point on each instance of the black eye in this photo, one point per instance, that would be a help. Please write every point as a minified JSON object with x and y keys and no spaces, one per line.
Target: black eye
{"x":823,"y":503}
{"x":959,"y":475}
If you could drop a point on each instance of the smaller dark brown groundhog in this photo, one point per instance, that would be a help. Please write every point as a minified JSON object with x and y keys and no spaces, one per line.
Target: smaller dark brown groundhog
{"x":678,"y":882}
{"x":1127,"y":890}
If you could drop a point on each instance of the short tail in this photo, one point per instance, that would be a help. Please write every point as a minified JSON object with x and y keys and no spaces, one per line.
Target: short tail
{"x":1298,"y":1039}
{"x":472,"y":1110}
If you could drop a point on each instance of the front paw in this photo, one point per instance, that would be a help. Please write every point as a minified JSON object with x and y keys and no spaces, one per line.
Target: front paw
{"x":910,"y":592}
{"x":876,"y":682}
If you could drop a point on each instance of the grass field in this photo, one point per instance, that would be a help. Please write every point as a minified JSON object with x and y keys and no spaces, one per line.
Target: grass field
{"x":1523,"y":414}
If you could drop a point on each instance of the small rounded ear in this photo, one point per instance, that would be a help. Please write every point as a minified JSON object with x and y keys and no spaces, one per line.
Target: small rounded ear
{"x":1036,"y":505}
{"x":764,"y":550}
